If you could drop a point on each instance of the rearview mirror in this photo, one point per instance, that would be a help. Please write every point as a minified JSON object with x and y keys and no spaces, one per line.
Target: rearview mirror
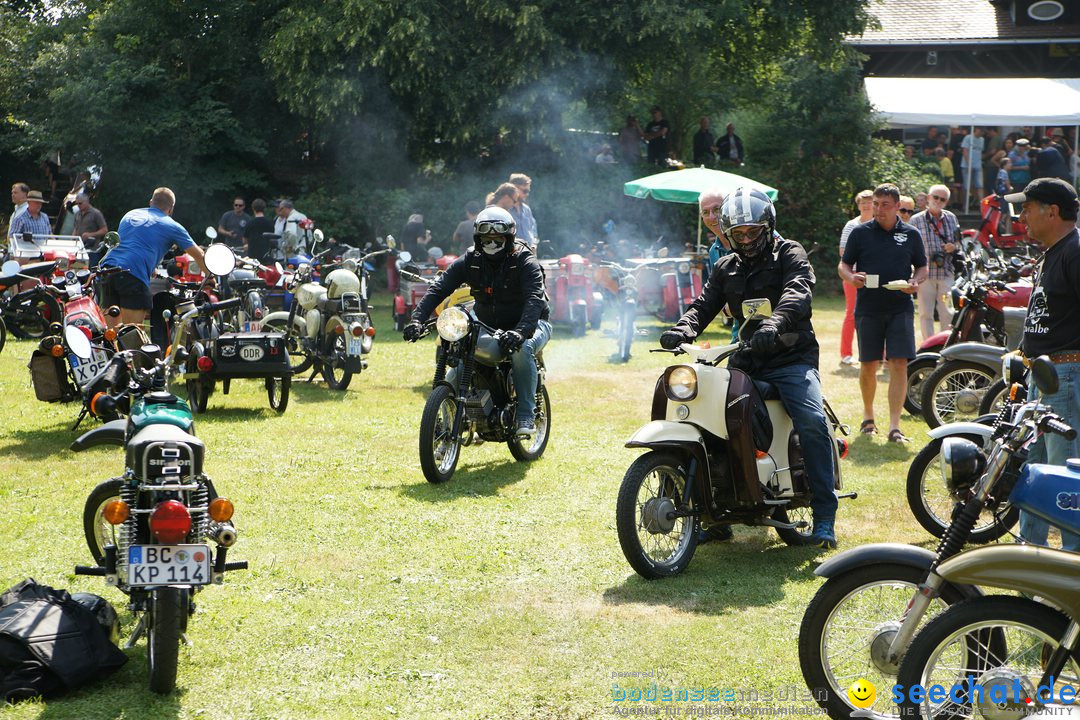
{"x":1045,"y":375}
{"x":435,"y":253}
{"x":391,"y":242}
{"x":111,"y":239}
{"x":77,"y":342}
{"x":756,"y":309}
{"x":318,"y":235}
{"x":405,"y":256}
{"x":11,"y":267}
{"x":219,"y":259}
{"x":211,"y":233}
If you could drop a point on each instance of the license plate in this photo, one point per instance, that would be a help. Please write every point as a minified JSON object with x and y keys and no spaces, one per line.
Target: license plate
{"x":85,"y":370}
{"x":251,"y":353}
{"x":252,"y":326}
{"x":168,"y":565}
{"x":354,"y":347}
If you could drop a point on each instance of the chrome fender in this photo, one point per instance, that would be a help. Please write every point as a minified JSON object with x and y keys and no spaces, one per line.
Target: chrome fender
{"x":889,"y":553}
{"x":985,"y":432}
{"x":665,"y":433}
{"x":976,"y":352}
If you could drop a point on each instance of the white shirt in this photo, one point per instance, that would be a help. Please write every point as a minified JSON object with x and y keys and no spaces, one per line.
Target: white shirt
{"x":19,"y":210}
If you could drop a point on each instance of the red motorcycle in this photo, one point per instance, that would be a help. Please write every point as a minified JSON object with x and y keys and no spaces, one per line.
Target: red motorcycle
{"x":999,"y":229}
{"x":574,"y":300}
{"x":410,"y":290}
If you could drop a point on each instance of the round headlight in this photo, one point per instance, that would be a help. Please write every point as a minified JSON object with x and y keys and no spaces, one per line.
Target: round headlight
{"x":1012,"y":368}
{"x":453,"y":324}
{"x":630,"y":281}
{"x":962,"y":463}
{"x":682,"y":382}
{"x":684,"y":268}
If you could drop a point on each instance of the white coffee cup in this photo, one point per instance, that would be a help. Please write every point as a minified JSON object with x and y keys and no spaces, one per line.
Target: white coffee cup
{"x":872,"y":281}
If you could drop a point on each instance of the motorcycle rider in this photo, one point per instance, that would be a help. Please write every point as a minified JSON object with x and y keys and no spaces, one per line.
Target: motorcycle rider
{"x":507,"y":283}
{"x":783,"y":349}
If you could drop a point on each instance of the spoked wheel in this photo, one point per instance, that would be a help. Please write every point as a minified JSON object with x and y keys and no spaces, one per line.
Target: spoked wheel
{"x":1003,"y":643}
{"x":439,"y":447}
{"x":30,"y":319}
{"x":995,"y":398}
{"x":655,"y":540}
{"x":932,"y":504}
{"x":298,"y":357}
{"x":198,"y":392}
{"x":917,"y":371}
{"x":277,"y":391}
{"x":954,"y":391}
{"x":333,"y":367}
{"x":168,"y":617}
{"x":97,"y":531}
{"x":529,"y":449}
{"x":847,"y":628}
{"x":797,"y":536}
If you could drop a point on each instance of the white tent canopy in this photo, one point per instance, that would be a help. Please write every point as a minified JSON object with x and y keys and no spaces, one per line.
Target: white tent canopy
{"x":975,"y":101}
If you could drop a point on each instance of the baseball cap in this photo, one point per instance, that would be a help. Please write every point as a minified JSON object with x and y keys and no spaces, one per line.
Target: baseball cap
{"x":1050,"y":191}
{"x":1023,"y":141}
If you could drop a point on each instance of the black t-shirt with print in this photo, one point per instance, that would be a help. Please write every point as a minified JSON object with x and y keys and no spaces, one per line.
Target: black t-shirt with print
{"x":889,"y":254}
{"x":1053,"y":319}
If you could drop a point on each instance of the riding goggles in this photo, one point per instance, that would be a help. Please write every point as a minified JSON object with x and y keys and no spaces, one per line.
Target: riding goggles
{"x":493,"y":227}
{"x":744,"y":234}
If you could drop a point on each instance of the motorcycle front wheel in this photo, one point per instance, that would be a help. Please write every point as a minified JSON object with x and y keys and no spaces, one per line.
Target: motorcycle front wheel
{"x":298,"y":357}
{"x":168,"y":617}
{"x":97,"y":531}
{"x":996,"y":396}
{"x":3,"y":334}
{"x":917,"y":371}
{"x":277,"y":392}
{"x":1002,"y":642}
{"x":538,"y":442}
{"x":847,"y":628}
{"x":954,"y":391}
{"x":439,"y":448}
{"x":655,"y":544}
{"x":198,"y":392}
{"x":333,"y":366}
{"x":30,"y":319}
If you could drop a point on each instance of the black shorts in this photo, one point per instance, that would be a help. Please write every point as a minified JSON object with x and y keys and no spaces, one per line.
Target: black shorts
{"x":126,"y":291}
{"x":891,"y":335}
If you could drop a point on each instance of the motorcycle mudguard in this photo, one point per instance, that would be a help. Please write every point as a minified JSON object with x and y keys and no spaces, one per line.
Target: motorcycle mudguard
{"x":891,"y":553}
{"x":664,"y":433}
{"x":934,"y":355}
{"x":934,"y":343}
{"x":1032,"y":570}
{"x":976,"y":352}
{"x":283,"y":316}
{"x":963,"y":428}
{"x":111,"y":433}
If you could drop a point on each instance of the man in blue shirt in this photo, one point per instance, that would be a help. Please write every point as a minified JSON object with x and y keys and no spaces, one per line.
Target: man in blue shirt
{"x":32,"y":220}
{"x":146,"y":235}
{"x":522,"y":213}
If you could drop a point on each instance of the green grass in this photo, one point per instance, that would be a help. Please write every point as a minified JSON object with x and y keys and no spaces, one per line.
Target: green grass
{"x":372,"y":594}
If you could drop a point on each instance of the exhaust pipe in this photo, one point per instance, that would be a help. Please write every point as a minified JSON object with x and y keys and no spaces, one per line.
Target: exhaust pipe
{"x":224,"y":534}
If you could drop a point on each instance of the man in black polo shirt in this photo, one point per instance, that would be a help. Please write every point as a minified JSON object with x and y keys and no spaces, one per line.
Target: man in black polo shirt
{"x":888,"y":253}
{"x":1052,"y":326}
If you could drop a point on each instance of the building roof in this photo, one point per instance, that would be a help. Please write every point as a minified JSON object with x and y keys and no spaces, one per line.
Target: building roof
{"x":929,"y":22}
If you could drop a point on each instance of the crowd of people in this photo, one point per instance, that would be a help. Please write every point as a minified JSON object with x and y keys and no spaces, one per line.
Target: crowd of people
{"x":652,"y":144}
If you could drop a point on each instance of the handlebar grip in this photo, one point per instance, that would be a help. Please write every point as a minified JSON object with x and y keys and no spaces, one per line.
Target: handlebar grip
{"x":90,"y":570}
{"x":222,"y":305}
{"x":238,"y":565}
{"x":1056,"y":426}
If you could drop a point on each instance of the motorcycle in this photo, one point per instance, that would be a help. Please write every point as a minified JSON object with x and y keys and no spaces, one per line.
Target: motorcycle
{"x":620,"y":289}
{"x":28,"y":313}
{"x":573,"y":300}
{"x":722,"y":449}
{"x":682,"y":284}
{"x":959,"y":388}
{"x":473,"y":398}
{"x":999,"y":230}
{"x":861,"y":621}
{"x":411,"y":279}
{"x":149,"y":530}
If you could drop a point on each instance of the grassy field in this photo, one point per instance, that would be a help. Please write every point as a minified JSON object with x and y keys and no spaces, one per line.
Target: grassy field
{"x":372,"y":594}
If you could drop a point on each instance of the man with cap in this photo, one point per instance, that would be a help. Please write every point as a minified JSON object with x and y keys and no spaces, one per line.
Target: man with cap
{"x":33,"y":220}
{"x":1020,"y":163}
{"x":1052,"y":327}
{"x":1050,"y":162}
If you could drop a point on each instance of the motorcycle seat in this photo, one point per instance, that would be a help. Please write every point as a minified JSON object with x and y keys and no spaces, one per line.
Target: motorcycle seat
{"x":152,"y":438}
{"x":767,"y":390}
{"x":37,"y":270}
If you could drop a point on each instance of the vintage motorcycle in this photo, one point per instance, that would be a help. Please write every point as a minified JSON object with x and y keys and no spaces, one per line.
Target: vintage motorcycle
{"x":149,"y":530}
{"x":28,"y":313}
{"x":620,"y":288}
{"x":861,"y":621}
{"x":722,"y":449}
{"x":473,"y":398}
{"x":573,"y":300}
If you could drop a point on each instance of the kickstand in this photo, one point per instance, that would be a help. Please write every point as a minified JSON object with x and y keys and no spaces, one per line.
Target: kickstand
{"x":82,"y":414}
{"x":137,"y":633}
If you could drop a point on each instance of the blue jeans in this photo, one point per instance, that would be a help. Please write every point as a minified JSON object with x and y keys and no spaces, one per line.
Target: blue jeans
{"x":525,"y":373}
{"x":1055,"y":450}
{"x":800,"y":391}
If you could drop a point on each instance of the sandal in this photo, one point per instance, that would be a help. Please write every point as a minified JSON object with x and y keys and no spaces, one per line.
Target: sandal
{"x":868,"y":427}
{"x":898,"y":437}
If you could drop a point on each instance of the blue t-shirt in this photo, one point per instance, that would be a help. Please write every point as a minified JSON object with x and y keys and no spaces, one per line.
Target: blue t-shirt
{"x":146,"y":235}
{"x":889,"y":254}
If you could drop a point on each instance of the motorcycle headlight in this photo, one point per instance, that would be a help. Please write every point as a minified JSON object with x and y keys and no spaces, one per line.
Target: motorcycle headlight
{"x":681,"y":382}
{"x":684,"y":268}
{"x":962,"y":464}
{"x":577,"y":268}
{"x":453,"y":324}
{"x":1012,"y":368}
{"x":630,"y":281}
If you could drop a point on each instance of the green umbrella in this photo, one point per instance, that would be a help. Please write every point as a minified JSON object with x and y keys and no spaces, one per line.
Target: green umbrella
{"x":684,"y":186}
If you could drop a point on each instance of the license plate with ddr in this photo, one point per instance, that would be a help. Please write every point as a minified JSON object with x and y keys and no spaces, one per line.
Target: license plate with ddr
{"x":168,"y":565}
{"x":85,"y":370}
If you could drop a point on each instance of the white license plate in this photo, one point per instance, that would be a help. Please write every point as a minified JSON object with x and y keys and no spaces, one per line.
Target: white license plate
{"x":85,"y":370}
{"x":251,"y":353}
{"x":252,"y":326}
{"x":354,"y":347}
{"x":168,"y":565}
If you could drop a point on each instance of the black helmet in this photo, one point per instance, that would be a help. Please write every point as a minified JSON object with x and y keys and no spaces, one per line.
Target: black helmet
{"x":103,"y":612}
{"x":748,"y":207}
{"x":493,"y":231}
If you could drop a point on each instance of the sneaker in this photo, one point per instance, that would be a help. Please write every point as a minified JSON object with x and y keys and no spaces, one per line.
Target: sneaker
{"x":715,"y":533}
{"x":526,"y":428}
{"x":847,"y":360}
{"x":824,"y":536}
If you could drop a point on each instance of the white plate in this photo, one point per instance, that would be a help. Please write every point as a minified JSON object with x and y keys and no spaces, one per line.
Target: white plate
{"x":85,"y":370}
{"x":168,"y":565}
{"x":354,"y":347}
{"x":897,"y":285}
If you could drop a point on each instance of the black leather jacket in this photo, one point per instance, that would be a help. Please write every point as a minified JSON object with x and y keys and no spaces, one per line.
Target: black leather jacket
{"x":509,"y":293}
{"x":782,"y":274}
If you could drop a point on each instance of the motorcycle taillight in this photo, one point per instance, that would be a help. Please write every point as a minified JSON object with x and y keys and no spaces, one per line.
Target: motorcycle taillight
{"x":170,"y":522}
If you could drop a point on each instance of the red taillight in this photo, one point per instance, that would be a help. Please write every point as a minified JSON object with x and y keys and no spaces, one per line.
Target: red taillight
{"x":86,"y":332}
{"x":357,"y":330}
{"x":370,"y":332}
{"x":170,"y":522}
{"x":842,"y":445}
{"x":258,"y":313}
{"x":205,"y":363}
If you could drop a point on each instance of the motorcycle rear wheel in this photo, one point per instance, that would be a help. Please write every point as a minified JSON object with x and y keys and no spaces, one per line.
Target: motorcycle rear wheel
{"x":198,"y":392}
{"x":30,"y":319}
{"x":439,"y":449}
{"x":917,"y":371}
{"x":996,"y":396}
{"x":539,"y":441}
{"x":168,"y":617}
{"x":3,"y":334}
{"x":798,"y":536}
{"x":299,"y":359}
{"x":335,"y":373}
{"x":277,"y":392}
{"x":652,"y":486}
{"x":954,"y":391}
{"x":98,"y":533}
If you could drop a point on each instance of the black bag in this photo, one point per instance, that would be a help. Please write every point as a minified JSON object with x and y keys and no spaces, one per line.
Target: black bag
{"x":51,"y":643}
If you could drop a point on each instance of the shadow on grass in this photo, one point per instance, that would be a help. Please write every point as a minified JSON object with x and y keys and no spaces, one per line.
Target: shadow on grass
{"x":749,"y":571}
{"x":47,"y":441}
{"x":874,"y":450}
{"x":470,"y":480}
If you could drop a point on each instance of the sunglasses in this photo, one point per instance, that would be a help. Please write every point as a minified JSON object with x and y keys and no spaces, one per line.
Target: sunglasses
{"x":493,"y":227}
{"x":940,"y":198}
{"x":905,"y":211}
{"x":238,"y":204}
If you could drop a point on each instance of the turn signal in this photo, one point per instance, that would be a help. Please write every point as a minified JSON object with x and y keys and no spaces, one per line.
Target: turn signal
{"x":340,"y":329}
{"x":221,"y":509}
{"x":204,"y":363}
{"x":1013,"y":390}
{"x":116,"y":512}
{"x":760,"y":454}
{"x":842,"y":445}
{"x":57,"y":350}
{"x":170,"y":522}
{"x":962,"y":301}
{"x":110,"y":335}
{"x":370,"y":332}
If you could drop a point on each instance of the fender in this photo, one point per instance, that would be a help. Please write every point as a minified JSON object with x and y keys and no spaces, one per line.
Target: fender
{"x":891,"y":553}
{"x":963,"y":428}
{"x":976,"y":352}
{"x":111,"y":433}
{"x":283,"y":316}
{"x":1029,"y":569}
{"x":680,"y":436}
{"x":934,"y":355}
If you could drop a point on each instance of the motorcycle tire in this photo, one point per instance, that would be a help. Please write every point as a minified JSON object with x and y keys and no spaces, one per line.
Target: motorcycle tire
{"x":626,"y":334}
{"x":277,"y":392}
{"x":917,"y":372}
{"x":299,"y":359}
{"x":436,"y":426}
{"x":96,"y":531}
{"x":334,"y":372}
{"x":597,"y":318}
{"x":168,"y":617}
{"x":796,"y":537}
{"x":3,"y":334}
{"x":821,"y":677}
{"x":198,"y":393}
{"x":30,"y":320}
{"x":996,"y":396}
{"x":630,"y":524}
{"x":539,"y":441}
{"x":932,"y":505}
{"x":951,"y":381}
{"x":975,"y":620}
